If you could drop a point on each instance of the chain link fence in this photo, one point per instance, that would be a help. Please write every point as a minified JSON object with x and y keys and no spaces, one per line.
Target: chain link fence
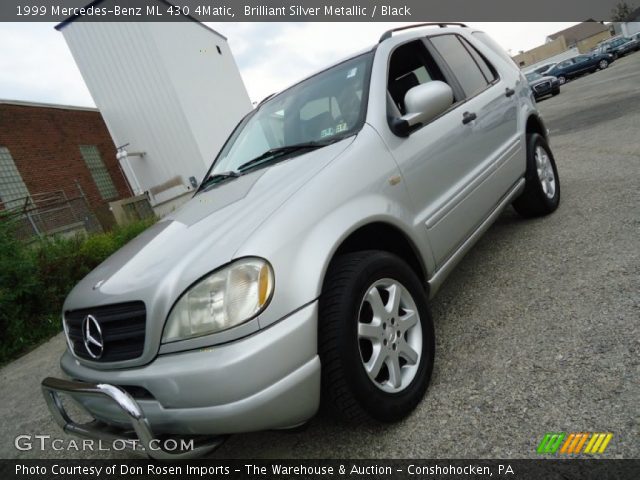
{"x":53,"y":213}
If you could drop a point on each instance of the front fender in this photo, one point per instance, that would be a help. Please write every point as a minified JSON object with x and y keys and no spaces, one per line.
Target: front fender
{"x":301,"y":238}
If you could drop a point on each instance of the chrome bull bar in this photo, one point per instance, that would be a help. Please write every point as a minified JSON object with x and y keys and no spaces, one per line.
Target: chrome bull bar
{"x":52,"y":388}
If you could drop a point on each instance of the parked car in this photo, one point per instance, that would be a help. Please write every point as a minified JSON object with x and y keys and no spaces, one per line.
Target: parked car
{"x":543,"y":69}
{"x":541,"y":86}
{"x":633,"y":45}
{"x":618,"y":46}
{"x":579,"y":65}
{"x":304,"y":262}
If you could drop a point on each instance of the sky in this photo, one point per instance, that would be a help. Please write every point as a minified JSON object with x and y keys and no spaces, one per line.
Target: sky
{"x":36,"y":65}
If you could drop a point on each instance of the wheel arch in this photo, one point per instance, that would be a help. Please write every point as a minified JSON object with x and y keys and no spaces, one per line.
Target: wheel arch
{"x":380,"y":235}
{"x":536,"y":125}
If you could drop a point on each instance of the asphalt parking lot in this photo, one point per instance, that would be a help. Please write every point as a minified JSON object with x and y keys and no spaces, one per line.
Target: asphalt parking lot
{"x":538,"y":329}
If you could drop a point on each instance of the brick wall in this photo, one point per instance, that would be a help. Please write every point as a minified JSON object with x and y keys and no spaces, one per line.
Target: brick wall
{"x":44,"y":143}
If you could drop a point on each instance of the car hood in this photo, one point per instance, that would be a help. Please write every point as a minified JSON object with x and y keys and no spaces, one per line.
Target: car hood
{"x":200,"y":236}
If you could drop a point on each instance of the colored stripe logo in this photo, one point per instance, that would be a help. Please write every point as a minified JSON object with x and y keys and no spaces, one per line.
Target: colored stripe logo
{"x":573,"y":443}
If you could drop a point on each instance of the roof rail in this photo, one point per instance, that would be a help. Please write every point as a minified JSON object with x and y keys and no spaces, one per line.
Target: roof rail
{"x":386,"y":35}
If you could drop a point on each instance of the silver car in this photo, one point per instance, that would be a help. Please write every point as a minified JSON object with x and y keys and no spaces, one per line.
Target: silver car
{"x":301,"y":268}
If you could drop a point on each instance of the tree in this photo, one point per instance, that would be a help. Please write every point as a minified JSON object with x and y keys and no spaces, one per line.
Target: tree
{"x":621,"y":11}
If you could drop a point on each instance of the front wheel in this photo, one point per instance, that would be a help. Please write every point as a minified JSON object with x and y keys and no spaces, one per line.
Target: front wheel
{"x":376,"y":337}
{"x":603,"y":64}
{"x":541,"y":194}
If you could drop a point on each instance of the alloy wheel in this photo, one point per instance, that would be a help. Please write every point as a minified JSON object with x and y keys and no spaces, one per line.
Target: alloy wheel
{"x":545,"y":172}
{"x":389,"y":335}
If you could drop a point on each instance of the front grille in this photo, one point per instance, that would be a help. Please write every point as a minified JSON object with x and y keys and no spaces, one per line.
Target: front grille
{"x":122,"y":326}
{"x":542,"y":86}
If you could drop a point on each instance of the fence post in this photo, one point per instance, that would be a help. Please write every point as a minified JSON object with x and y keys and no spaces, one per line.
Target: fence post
{"x":27,"y":214}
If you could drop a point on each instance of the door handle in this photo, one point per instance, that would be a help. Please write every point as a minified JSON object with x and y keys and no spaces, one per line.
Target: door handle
{"x":509,"y":91}
{"x":468,"y":117}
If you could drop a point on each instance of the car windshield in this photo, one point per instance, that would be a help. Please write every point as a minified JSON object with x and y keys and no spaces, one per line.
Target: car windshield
{"x":533,"y":76}
{"x":326,"y":107}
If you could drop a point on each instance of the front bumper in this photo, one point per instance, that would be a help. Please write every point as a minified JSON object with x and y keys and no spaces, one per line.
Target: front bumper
{"x":268,"y":380}
{"x":139,"y":431}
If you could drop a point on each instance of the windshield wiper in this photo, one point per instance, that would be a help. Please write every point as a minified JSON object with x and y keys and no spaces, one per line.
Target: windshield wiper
{"x":277,"y":152}
{"x":217,"y":178}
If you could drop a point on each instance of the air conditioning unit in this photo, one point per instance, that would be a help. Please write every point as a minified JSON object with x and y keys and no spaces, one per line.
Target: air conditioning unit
{"x":131,"y":209}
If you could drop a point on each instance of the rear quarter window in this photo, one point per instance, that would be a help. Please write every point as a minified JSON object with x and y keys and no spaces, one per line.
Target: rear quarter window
{"x":461,"y":62}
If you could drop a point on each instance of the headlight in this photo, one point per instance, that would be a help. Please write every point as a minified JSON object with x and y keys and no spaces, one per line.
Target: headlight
{"x":221,"y":300}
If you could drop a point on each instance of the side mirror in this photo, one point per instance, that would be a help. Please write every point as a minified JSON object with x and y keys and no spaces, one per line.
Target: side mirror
{"x":423,"y":103}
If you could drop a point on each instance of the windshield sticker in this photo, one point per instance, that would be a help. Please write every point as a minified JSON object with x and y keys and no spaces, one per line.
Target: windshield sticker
{"x":341,"y":127}
{"x":352,"y":72}
{"x":327,"y":132}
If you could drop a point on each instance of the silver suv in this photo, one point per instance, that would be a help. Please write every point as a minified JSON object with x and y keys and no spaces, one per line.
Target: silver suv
{"x":301,"y":268}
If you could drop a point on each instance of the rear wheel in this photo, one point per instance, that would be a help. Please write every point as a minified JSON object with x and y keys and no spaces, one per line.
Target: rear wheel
{"x":376,"y":337}
{"x":562,"y":79}
{"x":541,"y":194}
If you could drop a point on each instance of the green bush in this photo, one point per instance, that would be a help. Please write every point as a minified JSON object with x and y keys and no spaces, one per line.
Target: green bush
{"x":36,"y":278}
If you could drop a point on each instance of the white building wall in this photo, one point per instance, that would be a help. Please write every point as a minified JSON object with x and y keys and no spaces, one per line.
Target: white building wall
{"x":630,"y":28}
{"x":164,"y":89}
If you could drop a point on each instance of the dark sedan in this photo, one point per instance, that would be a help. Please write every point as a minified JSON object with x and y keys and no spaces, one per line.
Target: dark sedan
{"x":541,"y":86}
{"x":580,"y":65}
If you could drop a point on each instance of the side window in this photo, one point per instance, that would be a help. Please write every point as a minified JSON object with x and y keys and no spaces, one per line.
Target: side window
{"x":487,"y":69}
{"x":410,"y":65}
{"x":461,"y":63}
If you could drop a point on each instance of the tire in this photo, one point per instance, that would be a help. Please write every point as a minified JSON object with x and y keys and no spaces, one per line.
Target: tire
{"x":541,"y":194}
{"x":556,"y":92}
{"x":347,"y":348}
{"x":562,"y":79}
{"x":603,"y":64}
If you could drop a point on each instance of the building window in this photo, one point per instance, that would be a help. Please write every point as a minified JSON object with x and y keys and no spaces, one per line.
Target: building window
{"x":99,"y":172}
{"x":13,"y":191}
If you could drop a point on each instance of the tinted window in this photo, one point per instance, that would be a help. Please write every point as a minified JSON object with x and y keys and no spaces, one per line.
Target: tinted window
{"x":461,"y":63}
{"x":487,"y":70}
